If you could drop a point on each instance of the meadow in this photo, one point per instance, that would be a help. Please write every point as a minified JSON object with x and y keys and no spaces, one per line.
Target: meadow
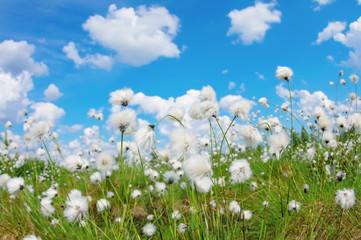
{"x":254,"y":178}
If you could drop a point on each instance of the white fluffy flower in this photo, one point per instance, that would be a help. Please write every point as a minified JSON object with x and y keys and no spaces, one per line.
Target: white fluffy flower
{"x":354,"y":121}
{"x":176,"y":215}
{"x":182,"y":143}
{"x":241,"y":109}
{"x":210,"y":109}
{"x":124,"y":121}
{"x":250,"y":135}
{"x":196,"y":111}
{"x":293,"y":205}
{"x":199,"y":170}
{"x":177,"y":113}
{"x":160,"y":188}
{"x":234,"y":207}
{"x":121,"y":97}
{"x":149,"y":229}
{"x":47,"y":208}
{"x":171,"y":177}
{"x":96,"y":178}
{"x":240,"y":171}
{"x":136,"y":194}
{"x":15,"y":185}
{"x":40,"y":131}
{"x":104,"y":162}
{"x":246,"y":215}
{"x":284,"y":73}
{"x":73,"y":163}
{"x":76,"y":206}
{"x":182,"y":227}
{"x":145,"y":138}
{"x":324,"y":122}
{"x":278,"y":142}
{"x":346,"y":198}
{"x":31,"y":237}
{"x":102,"y":204}
{"x":341,"y":122}
{"x":354,"y":78}
{"x":207,"y":94}
{"x":4,"y":178}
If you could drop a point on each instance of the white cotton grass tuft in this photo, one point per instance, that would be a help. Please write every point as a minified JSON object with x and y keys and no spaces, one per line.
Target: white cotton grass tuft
{"x":104,"y":162}
{"x":240,"y":171}
{"x":294,"y":206}
{"x":176,"y":215}
{"x":246,"y":215}
{"x":102,"y":205}
{"x":15,"y":185}
{"x":182,"y":227}
{"x":196,"y":111}
{"x":182,"y":143}
{"x":171,"y":177}
{"x":341,"y":122}
{"x":40,"y":131}
{"x":76,"y":206}
{"x":177,"y":112}
{"x":199,"y":170}
{"x":144,"y":138}
{"x":278,"y":142}
{"x":264,"y":102}
{"x":210,"y":109}
{"x":354,"y":121}
{"x":250,"y":135}
{"x":324,"y":122}
{"x":354,"y":78}
{"x":149,"y":229}
{"x":234,"y":207}
{"x":207,"y":94}
{"x":31,"y":237}
{"x":284,"y":73}
{"x":241,"y":109}
{"x":124,"y":121}
{"x":121,"y":97}
{"x":47,"y":208}
{"x":346,"y":198}
{"x":73,"y":163}
{"x":4,"y":178}
{"x":96,"y":178}
{"x":136,"y":194}
{"x":160,"y":188}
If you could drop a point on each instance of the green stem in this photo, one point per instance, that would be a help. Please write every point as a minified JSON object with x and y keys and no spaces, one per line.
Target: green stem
{"x":171,"y":117}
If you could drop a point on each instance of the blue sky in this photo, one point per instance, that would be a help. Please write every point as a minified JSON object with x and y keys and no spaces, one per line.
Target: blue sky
{"x":206,"y":55}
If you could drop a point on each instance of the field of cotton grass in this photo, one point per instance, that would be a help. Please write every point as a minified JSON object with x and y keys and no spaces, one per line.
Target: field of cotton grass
{"x":253,"y":178}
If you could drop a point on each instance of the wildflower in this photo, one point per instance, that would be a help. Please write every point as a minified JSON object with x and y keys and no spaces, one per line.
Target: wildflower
{"x":342,"y":82}
{"x":353,"y":96}
{"x":31,"y":237}
{"x":324,"y":122}
{"x":199,"y":170}
{"x":341,"y":175}
{"x":327,"y":136}
{"x":171,"y":177}
{"x":306,"y":188}
{"x":354,"y":78}
{"x":250,"y":135}
{"x":341,"y":122}
{"x":104,"y":162}
{"x":253,"y":186}
{"x":124,"y":121}
{"x":246,"y":215}
{"x":178,"y":113}
{"x":293,"y":205}
{"x":234,"y":207}
{"x":278,"y":142}
{"x":182,"y":227}
{"x":40,"y":131}
{"x":76,"y":206}
{"x":346,"y":198}
{"x":265,"y":203}
{"x":8,"y":124}
{"x":15,"y":185}
{"x":241,"y":109}
{"x":284,"y":73}
{"x":332,"y":84}
{"x":207,"y":94}
{"x":145,"y":138}
{"x":96,"y":178}
{"x":110,"y":194}
{"x":340,"y":73}
{"x":150,"y":217}
{"x":318,"y":112}
{"x":4,"y":178}
{"x":176,"y":215}
{"x":196,"y":111}
{"x":264,"y":102}
{"x":240,"y":171}
{"x":149,"y":229}
{"x":47,"y":208}
{"x":136,"y":194}
{"x":182,"y":143}
{"x":102,"y":204}
{"x":210,"y":109}
{"x":121,"y":97}
{"x":73,"y":163}
{"x":354,"y":121}
{"x":160,"y":188}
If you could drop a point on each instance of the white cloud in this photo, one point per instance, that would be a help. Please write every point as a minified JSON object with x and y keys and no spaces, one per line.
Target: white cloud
{"x":330,"y":58}
{"x":252,"y":23}
{"x":260,"y":76}
{"x":359,"y":2}
{"x":242,"y":88}
{"x":321,"y":3}
{"x":70,"y":129}
{"x":330,"y":31}
{"x":231,"y":85}
{"x":13,"y":94}
{"x":52,"y":93}
{"x":15,"y":57}
{"x":46,"y":111}
{"x":94,"y":60}
{"x":225,"y":71}
{"x":352,"y":39}
{"x":138,"y":36}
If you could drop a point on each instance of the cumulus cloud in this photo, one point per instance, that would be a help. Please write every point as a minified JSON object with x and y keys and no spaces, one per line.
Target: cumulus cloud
{"x":225,"y":71}
{"x":15,"y":57}
{"x":46,"y":111}
{"x":231,"y":85}
{"x":52,"y":93}
{"x":70,"y":129}
{"x":138,"y":36}
{"x":260,"y":76}
{"x":14,"y":95}
{"x":321,"y":3}
{"x":330,"y":58}
{"x":330,"y":31}
{"x":94,"y":60}
{"x":252,"y":23}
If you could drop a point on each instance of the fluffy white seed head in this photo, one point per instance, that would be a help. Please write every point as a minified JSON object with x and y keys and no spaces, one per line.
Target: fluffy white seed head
{"x":144,"y":138}
{"x":102,"y":205}
{"x":250,"y":135}
{"x":149,"y":229}
{"x":4,"y":178}
{"x":207,"y":94}
{"x":284,"y":73}
{"x":76,"y":206}
{"x":346,"y":198}
{"x":40,"y":131}
{"x":240,"y":171}
{"x":47,"y":208}
{"x":104,"y":162}
{"x":121,"y":97}
{"x":241,"y":109}
{"x":15,"y":185}
{"x":182,"y":143}
{"x":196,"y":111}
{"x":234,"y":207}
{"x":124,"y":121}
{"x":354,"y":78}
{"x":210,"y":109}
{"x":294,"y":206}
